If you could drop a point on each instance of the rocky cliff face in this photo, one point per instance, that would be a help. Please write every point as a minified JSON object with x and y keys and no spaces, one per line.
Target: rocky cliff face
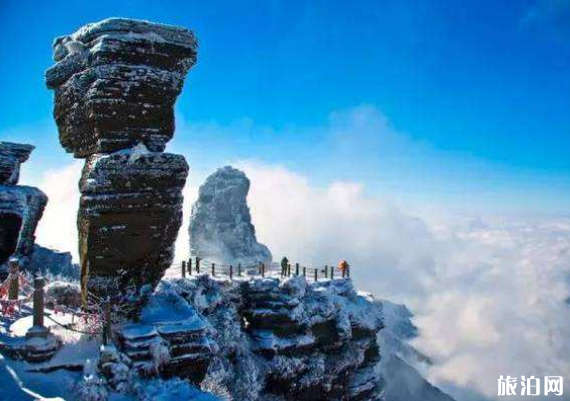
{"x":21,"y":207}
{"x":221,"y":230}
{"x":261,"y":339}
{"x":400,"y":361}
{"x":115,"y":83}
{"x":53,"y":264}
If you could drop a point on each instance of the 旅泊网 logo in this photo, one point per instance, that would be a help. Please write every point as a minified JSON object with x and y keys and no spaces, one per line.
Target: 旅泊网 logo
{"x":531,"y":385}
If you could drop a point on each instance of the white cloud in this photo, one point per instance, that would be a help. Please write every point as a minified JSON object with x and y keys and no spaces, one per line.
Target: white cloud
{"x":489,"y":294}
{"x":58,"y":227}
{"x":489,"y":298}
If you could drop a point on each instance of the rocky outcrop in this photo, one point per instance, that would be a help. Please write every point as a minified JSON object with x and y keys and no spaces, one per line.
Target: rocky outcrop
{"x":221,"y":230}
{"x":115,"y":83}
{"x":129,"y":215}
{"x":286,"y":340}
{"x":11,"y":156}
{"x":171,"y":339}
{"x":53,"y":264}
{"x":401,"y":364}
{"x":21,"y":207}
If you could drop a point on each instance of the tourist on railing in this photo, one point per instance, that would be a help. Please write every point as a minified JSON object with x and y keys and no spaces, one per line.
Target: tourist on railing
{"x":284,"y":266}
{"x":343,"y":266}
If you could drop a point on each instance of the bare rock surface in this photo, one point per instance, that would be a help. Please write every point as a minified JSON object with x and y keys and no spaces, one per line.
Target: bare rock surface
{"x":221,"y":230}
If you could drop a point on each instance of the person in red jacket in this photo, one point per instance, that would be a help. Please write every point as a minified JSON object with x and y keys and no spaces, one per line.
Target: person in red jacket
{"x":344,"y":267}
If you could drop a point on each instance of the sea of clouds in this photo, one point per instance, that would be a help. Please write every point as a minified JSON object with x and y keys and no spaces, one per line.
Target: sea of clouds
{"x":490,"y":295}
{"x":489,"y":292}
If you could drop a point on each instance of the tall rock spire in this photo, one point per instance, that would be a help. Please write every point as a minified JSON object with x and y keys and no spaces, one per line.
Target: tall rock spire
{"x":115,"y":83}
{"x":220,"y":227}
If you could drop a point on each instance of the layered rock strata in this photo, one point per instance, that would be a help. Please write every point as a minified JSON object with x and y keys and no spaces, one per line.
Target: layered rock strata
{"x":21,"y":207}
{"x":220,"y":229}
{"x":287,"y":340}
{"x":115,"y":84}
{"x":170,"y":340}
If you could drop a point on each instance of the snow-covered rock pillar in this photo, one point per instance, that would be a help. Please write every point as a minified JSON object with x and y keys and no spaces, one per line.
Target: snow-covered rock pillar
{"x":115,"y":84}
{"x":221,"y":229}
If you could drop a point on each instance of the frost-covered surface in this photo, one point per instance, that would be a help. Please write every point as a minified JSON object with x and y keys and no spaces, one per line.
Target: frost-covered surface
{"x":221,"y":230}
{"x":52,"y":264}
{"x":80,"y":376}
{"x":21,"y":207}
{"x":115,"y":83}
{"x":285,"y":340}
{"x":132,"y":204}
{"x":247,"y":339}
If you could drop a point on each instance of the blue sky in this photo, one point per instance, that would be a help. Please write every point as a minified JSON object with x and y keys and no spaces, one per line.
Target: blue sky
{"x":429,"y":100}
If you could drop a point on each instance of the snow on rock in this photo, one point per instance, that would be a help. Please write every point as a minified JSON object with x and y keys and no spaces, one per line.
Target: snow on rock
{"x":62,"y":294}
{"x":21,"y":207}
{"x":170,"y":339}
{"x":221,"y":230}
{"x":52,"y":264}
{"x":132,"y":204}
{"x":115,"y":83}
{"x":283,"y":340}
{"x":401,"y":364}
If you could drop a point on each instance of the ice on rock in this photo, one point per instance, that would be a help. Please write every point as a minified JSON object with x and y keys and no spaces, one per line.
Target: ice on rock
{"x":284,"y":339}
{"x":221,"y":230}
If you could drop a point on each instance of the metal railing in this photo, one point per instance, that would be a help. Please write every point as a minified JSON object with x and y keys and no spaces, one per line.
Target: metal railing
{"x":195,"y":266}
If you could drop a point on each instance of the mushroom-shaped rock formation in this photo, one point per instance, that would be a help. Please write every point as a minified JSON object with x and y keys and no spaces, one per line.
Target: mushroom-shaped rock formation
{"x":21,"y":207}
{"x":115,"y":83}
{"x":220,"y":227}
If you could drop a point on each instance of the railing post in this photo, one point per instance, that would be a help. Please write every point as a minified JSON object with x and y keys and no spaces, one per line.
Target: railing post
{"x":316,"y":274}
{"x":304,"y":271}
{"x":183,"y":269}
{"x":289,"y":270}
{"x":348,"y":271}
{"x":332,"y":272}
{"x":263,"y":270}
{"x":231,"y":272}
{"x":296,"y":269}
{"x":106,"y":306}
{"x":190,"y":266}
{"x":239,"y":269}
{"x":326,"y":271}
{"x":39,"y":283}
{"x":213,"y":270}
{"x":197,"y":265}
